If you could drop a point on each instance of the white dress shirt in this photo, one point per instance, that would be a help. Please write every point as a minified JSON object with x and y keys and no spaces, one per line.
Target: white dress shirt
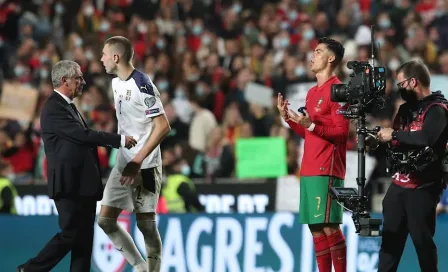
{"x":69,"y":101}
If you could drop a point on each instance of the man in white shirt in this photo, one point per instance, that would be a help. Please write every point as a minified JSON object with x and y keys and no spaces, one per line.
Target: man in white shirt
{"x":134,"y":182}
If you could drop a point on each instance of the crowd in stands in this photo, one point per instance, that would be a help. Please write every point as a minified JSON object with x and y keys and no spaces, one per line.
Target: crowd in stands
{"x":201,"y":55}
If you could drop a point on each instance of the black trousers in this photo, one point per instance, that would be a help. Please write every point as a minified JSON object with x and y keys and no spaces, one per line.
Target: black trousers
{"x":409,"y":211}
{"x":76,"y":220}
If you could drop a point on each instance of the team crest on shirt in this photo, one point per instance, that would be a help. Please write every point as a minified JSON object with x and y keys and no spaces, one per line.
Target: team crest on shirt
{"x":319,"y":102}
{"x":128,"y":95}
{"x":150,"y":101}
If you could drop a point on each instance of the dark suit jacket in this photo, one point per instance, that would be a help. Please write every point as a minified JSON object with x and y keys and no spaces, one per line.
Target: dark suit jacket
{"x":71,"y":148}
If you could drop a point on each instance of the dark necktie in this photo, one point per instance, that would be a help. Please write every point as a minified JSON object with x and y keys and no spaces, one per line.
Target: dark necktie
{"x":77,"y":113}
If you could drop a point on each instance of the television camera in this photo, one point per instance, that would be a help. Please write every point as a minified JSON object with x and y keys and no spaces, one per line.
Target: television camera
{"x":365,"y":89}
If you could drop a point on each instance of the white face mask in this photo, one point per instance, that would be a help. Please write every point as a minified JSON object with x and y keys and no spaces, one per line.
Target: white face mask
{"x":394,"y":64}
{"x":89,"y":55}
{"x":88,"y":11}
{"x":142,"y":28}
{"x":11,"y":177}
{"x":44,"y":73}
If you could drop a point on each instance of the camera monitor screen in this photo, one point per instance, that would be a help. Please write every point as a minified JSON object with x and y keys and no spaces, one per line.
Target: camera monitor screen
{"x":346,"y":191}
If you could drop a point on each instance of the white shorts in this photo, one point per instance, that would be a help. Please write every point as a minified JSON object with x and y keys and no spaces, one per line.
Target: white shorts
{"x":140,"y":197}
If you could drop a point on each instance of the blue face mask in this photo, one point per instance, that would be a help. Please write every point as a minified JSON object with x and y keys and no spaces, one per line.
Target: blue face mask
{"x":411,"y":33}
{"x":384,"y":23}
{"x":263,"y":41}
{"x":200,"y":91}
{"x":44,"y":73}
{"x":163,"y":85}
{"x":237,"y":8}
{"x":160,"y":44}
{"x":86,"y":108}
{"x":19,"y":70}
{"x":284,"y":42}
{"x":308,"y":34}
{"x":284,"y":25}
{"x":206,"y":40}
{"x":185,"y":170}
{"x":303,"y":2}
{"x":197,"y":30}
{"x":292,"y":15}
{"x":179,"y":93}
{"x":300,"y":71}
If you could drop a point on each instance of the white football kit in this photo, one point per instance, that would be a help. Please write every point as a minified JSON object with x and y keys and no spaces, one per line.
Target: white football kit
{"x":137,"y":102}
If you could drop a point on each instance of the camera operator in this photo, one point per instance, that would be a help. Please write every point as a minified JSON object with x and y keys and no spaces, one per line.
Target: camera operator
{"x":410,"y":202}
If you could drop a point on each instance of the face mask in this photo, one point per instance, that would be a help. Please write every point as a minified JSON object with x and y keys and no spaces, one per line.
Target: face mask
{"x":142,"y":28}
{"x":206,"y":40}
{"x":160,"y":44}
{"x":43,"y":73}
{"x":86,"y":108}
{"x":300,"y":71}
{"x":11,"y":177}
{"x":78,"y":42}
{"x":179,"y":93}
{"x":237,"y":8}
{"x":284,"y":42}
{"x":88,"y":11}
{"x":411,"y":33}
{"x":284,"y":25}
{"x":180,"y":49}
{"x":59,"y":8}
{"x":439,"y":13}
{"x":394,"y":64}
{"x":163,"y":85}
{"x":89,"y":55}
{"x":408,"y":95}
{"x":193,"y":77}
{"x":43,"y":59}
{"x":304,"y":1}
{"x":308,"y":35}
{"x":185,"y":170}
{"x":197,"y":30}
{"x":104,"y":27}
{"x":384,"y":23}
{"x":292,"y":15}
{"x":380,"y":42}
{"x":263,"y":41}
{"x":19,"y":71}
{"x":200,"y":91}
{"x":247,"y":31}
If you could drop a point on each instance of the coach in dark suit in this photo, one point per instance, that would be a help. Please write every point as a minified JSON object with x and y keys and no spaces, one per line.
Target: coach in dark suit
{"x":74,"y":180}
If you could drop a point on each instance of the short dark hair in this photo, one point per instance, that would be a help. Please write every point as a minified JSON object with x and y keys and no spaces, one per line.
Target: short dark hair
{"x":123,"y":45}
{"x":416,"y":69}
{"x":335,"y":47}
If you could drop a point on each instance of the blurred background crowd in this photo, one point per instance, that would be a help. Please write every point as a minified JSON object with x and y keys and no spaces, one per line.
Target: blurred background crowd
{"x":201,"y":55}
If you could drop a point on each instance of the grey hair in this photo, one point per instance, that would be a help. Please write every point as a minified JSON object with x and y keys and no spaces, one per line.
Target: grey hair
{"x":64,"y":68}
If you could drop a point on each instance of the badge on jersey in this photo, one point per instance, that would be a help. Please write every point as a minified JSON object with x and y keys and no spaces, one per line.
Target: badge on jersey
{"x":150,"y":101}
{"x":152,"y":111}
{"x":128,"y":95}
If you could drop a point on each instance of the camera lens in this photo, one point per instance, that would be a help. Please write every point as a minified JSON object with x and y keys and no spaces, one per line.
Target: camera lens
{"x":339,"y":93}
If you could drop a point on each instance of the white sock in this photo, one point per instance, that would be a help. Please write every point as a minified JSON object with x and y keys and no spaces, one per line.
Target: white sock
{"x":153,"y":243}
{"x":123,"y":242}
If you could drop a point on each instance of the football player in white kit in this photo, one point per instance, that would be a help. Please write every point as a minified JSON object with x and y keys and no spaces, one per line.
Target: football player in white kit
{"x":134,"y":182}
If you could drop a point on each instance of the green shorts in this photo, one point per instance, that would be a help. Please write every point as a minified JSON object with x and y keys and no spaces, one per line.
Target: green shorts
{"x":316,"y":205}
